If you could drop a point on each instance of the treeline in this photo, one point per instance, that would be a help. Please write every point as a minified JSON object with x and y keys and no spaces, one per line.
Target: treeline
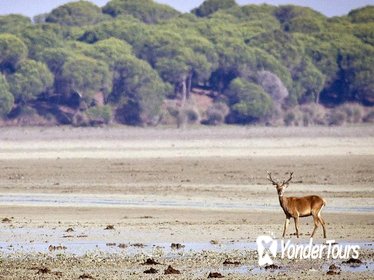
{"x":141,"y":63}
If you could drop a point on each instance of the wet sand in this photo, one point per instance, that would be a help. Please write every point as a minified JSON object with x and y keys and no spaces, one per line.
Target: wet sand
{"x":205,"y":189}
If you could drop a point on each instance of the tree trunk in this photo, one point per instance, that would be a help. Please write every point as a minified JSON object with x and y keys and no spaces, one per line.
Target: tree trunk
{"x":184,"y":92}
{"x":189,"y":85}
{"x":317,"y":98}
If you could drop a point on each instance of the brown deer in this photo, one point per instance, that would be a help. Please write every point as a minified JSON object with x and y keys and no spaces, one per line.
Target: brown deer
{"x":298,"y":207}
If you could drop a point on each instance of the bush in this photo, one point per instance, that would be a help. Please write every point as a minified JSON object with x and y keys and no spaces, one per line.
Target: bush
{"x":187,"y":116}
{"x":248,"y":102}
{"x":180,"y":116}
{"x":353,"y":111}
{"x":80,"y":119}
{"x":293,"y":117}
{"x":336,"y":117}
{"x":216,"y":114}
{"x":313,"y":114}
{"x":192,"y":115}
{"x":369,"y":117}
{"x":100,"y":115}
{"x":305,"y":115}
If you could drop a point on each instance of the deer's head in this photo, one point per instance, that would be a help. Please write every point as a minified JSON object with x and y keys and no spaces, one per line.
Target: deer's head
{"x":280,"y":186}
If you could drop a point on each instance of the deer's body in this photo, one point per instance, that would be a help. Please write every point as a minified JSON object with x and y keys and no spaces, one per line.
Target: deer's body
{"x":298,"y":207}
{"x":301,"y":206}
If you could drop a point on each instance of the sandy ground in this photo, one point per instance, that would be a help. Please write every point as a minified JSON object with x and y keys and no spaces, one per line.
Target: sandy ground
{"x":81,"y":203}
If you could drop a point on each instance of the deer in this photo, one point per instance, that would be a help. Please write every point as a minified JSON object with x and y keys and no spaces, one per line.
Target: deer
{"x":299,"y":207}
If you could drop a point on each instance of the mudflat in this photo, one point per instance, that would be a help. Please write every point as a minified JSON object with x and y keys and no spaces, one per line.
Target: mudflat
{"x":98,"y":202}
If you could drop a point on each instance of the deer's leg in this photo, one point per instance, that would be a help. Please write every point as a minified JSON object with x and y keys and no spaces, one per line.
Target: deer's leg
{"x":323,"y":225}
{"x":286,"y":223}
{"x":316,"y":221}
{"x":296,"y":219}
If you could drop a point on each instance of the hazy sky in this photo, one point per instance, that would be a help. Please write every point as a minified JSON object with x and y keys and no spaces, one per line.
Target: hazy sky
{"x":328,"y":7}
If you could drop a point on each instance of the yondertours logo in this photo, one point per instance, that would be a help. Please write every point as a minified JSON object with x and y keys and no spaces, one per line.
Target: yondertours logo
{"x":268,"y":247}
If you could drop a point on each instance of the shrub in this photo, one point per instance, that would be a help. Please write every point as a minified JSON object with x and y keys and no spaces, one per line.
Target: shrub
{"x":100,"y":115}
{"x":353,"y":111}
{"x":293,"y":117}
{"x":306,"y":115}
{"x":181,"y":116}
{"x":216,"y":114}
{"x":192,"y":115}
{"x":313,"y":114}
{"x":369,"y":117}
{"x":336,"y":117}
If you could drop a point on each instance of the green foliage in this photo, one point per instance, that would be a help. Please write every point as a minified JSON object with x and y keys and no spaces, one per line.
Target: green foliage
{"x":138,"y":91}
{"x":111,"y":50}
{"x":357,"y":66}
{"x":248,"y":101}
{"x":365,"y":32}
{"x":40,"y":37}
{"x":13,"y":24}
{"x":261,"y":60}
{"x":210,"y":6}
{"x":216,"y":114}
{"x":31,"y":79}
{"x":308,"y":82}
{"x":100,"y":114}
{"x":299,"y":19}
{"x":146,"y":10}
{"x":75,"y":14}
{"x":364,"y":15}
{"x":55,"y":58}
{"x":6,"y":98}
{"x":12,"y":51}
{"x":126,"y":28}
{"x":86,"y":76}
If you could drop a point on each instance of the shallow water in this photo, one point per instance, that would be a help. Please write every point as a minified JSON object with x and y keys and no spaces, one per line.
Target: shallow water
{"x":83,"y":247}
{"x":135,"y":201}
{"x":98,"y":248}
{"x":364,"y":267}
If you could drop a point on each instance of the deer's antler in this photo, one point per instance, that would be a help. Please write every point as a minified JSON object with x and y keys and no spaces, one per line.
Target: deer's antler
{"x":271,"y":179}
{"x":289,"y":179}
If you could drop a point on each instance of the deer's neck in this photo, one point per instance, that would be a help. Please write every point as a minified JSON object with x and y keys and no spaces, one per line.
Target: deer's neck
{"x":283,"y":203}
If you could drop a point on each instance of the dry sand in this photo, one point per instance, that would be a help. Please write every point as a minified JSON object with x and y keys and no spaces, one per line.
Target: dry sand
{"x":204,"y":188}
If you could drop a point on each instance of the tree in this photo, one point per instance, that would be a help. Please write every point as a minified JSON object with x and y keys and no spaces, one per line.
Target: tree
{"x":192,"y":61}
{"x":13,"y":24}
{"x":111,"y":50}
{"x":40,"y":37}
{"x":248,"y":102}
{"x":308,"y":82}
{"x":357,"y":69}
{"x":75,"y":14}
{"x":12,"y":52}
{"x":138,"y":92}
{"x":55,"y":59}
{"x":146,"y":10}
{"x":210,"y":6}
{"x":85,"y":76}
{"x":6,"y":98}
{"x":273,"y":86}
{"x":31,"y":79}
{"x":365,"y":14}
{"x":299,"y":19}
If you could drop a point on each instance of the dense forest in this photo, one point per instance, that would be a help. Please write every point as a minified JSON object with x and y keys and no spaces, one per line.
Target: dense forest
{"x":137,"y":62}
